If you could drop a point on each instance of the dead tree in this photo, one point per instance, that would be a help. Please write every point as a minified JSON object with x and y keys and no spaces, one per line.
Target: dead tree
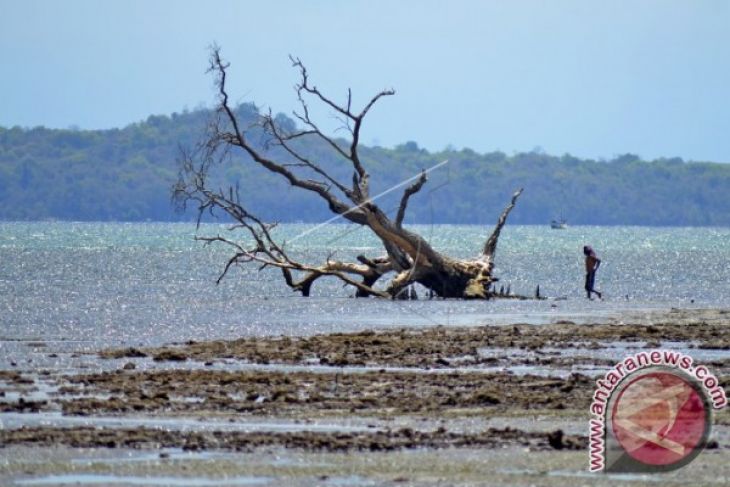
{"x":407,"y":257}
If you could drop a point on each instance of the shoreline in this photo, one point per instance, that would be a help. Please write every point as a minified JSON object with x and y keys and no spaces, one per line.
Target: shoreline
{"x":411,"y":391}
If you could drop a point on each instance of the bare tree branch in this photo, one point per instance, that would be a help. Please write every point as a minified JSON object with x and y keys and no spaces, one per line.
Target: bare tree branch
{"x":491,"y":244}
{"x":238,"y":139}
{"x":348,"y":115}
{"x":283,"y":141}
{"x":407,"y":193}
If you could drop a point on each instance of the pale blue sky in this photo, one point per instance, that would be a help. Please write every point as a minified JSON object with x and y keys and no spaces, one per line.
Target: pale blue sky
{"x":592,"y":78}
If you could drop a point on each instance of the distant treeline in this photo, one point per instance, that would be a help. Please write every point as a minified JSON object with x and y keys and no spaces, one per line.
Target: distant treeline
{"x":127,"y":174}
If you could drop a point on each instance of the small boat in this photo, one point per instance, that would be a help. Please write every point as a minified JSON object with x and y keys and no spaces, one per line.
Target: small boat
{"x":559,"y":224}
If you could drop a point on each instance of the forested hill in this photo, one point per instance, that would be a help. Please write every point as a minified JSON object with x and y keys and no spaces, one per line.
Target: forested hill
{"x":126,"y":174}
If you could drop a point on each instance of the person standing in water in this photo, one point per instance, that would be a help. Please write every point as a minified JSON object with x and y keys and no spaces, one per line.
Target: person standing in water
{"x":592,"y":265}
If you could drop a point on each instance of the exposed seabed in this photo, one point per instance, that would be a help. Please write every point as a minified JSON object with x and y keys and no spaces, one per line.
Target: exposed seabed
{"x":482,"y":405}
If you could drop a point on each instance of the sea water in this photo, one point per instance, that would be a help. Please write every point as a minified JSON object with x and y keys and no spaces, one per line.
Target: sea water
{"x":111,"y":284}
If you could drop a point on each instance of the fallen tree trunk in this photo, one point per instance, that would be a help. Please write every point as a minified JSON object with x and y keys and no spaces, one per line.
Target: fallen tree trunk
{"x":408,"y":257}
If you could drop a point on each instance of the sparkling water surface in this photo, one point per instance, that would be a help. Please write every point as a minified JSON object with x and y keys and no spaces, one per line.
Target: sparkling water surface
{"x":108,"y":284}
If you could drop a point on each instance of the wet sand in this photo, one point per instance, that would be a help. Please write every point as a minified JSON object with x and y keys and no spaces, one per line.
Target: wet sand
{"x":506,"y":404}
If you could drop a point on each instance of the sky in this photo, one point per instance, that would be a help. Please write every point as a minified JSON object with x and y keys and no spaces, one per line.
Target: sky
{"x":591,"y":78}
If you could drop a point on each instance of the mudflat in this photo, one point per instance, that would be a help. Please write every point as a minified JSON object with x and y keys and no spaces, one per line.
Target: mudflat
{"x":438,"y":405}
